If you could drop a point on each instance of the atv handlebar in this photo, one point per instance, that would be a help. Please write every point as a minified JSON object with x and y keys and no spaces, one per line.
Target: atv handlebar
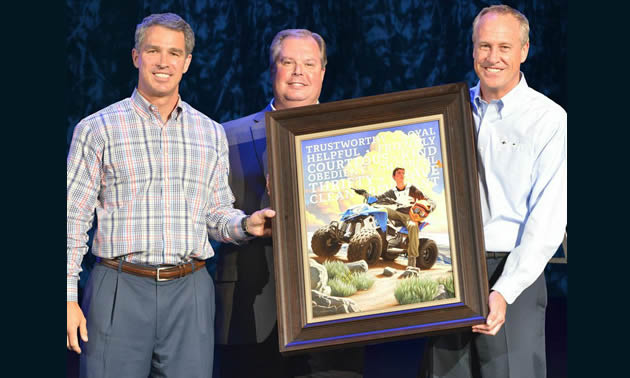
{"x":360,"y":192}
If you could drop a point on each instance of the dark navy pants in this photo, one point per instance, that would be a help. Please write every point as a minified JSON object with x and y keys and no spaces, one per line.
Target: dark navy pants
{"x":138,"y":327}
{"x":517,"y":350}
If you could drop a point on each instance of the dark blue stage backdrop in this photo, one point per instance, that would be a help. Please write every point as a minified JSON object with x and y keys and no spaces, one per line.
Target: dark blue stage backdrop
{"x":374,"y":47}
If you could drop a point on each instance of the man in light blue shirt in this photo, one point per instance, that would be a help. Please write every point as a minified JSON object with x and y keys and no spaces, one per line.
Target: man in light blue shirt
{"x":521,"y":146}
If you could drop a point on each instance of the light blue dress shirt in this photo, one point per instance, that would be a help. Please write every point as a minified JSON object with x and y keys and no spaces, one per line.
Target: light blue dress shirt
{"x":522,"y":147}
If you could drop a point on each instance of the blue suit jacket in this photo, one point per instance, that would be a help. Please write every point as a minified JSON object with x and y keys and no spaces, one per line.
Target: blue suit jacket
{"x":245,"y":286}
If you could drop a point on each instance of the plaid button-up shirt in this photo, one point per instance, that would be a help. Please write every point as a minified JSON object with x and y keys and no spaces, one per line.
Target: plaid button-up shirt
{"x":158,"y":190}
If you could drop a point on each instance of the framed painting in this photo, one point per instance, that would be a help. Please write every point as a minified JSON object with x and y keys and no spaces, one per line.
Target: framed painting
{"x":378,"y":233}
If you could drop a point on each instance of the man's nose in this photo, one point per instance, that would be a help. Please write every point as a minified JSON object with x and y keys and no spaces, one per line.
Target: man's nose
{"x":163,"y":61}
{"x":297,"y":70}
{"x":493,"y":55}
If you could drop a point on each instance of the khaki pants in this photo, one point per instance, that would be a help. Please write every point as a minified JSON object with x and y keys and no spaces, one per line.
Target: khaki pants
{"x":412,"y":227}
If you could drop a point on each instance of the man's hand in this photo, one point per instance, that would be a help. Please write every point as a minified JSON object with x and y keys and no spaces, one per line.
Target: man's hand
{"x":496,"y":317}
{"x":75,"y":319}
{"x":259,"y":223}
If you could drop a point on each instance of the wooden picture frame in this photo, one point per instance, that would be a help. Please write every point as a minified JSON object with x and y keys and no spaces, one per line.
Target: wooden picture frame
{"x":316,"y":155}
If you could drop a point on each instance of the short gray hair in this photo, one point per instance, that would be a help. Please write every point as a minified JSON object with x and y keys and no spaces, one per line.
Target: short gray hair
{"x":504,"y":9}
{"x":274,"y":49}
{"x":167,"y":20}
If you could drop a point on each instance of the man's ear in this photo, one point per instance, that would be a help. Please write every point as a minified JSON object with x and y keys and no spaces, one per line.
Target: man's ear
{"x":134,"y":57}
{"x":187,"y":63}
{"x":524,"y":52}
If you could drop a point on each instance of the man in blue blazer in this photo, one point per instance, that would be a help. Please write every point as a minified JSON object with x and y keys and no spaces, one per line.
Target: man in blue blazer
{"x":246,"y":332}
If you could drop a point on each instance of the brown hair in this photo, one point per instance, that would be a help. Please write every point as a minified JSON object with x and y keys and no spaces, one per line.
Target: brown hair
{"x":167,"y":20}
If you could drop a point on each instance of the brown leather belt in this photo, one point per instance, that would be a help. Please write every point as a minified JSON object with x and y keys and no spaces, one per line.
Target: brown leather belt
{"x":496,"y":255}
{"x":161,"y":273}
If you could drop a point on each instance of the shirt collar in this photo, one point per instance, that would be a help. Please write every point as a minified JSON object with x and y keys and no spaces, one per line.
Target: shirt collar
{"x":273,"y":108}
{"x":513,"y":99}
{"x":505,"y":104}
{"x":145,"y":108}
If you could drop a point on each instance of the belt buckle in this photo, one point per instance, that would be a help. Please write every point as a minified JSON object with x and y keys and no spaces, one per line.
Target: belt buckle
{"x":157,"y":278}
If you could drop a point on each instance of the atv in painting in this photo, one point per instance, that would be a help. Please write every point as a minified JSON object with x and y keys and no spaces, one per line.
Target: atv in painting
{"x":370,"y":234}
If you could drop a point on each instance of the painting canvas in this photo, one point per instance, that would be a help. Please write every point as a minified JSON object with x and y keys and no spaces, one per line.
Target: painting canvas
{"x":375,"y":276}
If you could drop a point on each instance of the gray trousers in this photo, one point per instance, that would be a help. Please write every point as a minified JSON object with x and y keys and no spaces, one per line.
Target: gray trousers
{"x":517,"y":350}
{"x":138,"y":327}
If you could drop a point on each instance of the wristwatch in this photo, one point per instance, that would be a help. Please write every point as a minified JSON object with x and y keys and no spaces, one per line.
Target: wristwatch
{"x":244,"y":226}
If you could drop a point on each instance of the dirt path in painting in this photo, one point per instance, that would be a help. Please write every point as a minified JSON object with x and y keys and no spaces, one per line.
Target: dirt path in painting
{"x":381,"y":295}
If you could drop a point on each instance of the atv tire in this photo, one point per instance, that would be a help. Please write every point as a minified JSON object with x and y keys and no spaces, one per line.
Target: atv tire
{"x":428,"y":252}
{"x":323,"y":242}
{"x":365,"y":245}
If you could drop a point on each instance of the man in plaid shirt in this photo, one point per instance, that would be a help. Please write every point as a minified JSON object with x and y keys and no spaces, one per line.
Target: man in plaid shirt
{"x":155,"y":172}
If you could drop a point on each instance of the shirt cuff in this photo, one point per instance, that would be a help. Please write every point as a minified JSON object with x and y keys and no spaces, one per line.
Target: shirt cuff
{"x":72,"y":289}
{"x":509,"y":293}
{"x":237,"y":229}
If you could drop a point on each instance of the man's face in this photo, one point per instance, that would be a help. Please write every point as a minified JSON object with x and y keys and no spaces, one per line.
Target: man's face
{"x":399,"y":177}
{"x":498,"y":54}
{"x":299,"y":74}
{"x":161,"y":62}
